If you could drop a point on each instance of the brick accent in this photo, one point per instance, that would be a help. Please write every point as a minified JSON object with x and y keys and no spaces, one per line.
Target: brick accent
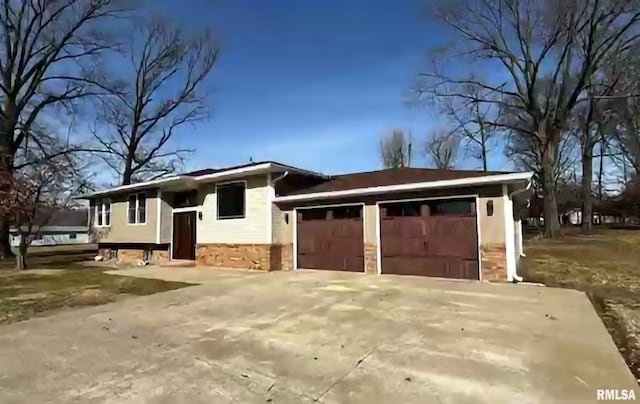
{"x":370,"y":258}
{"x":494,"y":263}
{"x":252,"y":256}
{"x":286,"y":257}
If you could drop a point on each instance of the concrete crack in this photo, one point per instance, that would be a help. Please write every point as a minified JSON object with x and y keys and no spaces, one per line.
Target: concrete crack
{"x":341,"y":378}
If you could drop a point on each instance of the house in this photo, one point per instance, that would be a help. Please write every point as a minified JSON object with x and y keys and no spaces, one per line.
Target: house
{"x":272,"y":216}
{"x":55,"y":227}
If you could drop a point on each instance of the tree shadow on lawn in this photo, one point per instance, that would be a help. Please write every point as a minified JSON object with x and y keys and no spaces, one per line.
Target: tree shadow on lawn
{"x":28,"y":293}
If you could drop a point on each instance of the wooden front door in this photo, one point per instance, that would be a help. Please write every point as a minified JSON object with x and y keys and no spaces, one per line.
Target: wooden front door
{"x":184,"y":236}
{"x":430,"y":238}
{"x":331,"y":238}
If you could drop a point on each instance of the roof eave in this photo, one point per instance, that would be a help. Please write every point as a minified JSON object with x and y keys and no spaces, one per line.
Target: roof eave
{"x":253,"y":170}
{"x":416,"y":186}
{"x":217,"y":176}
{"x":137,"y":186}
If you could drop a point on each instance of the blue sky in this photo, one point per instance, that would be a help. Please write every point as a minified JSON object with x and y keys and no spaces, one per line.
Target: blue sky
{"x":310,"y":83}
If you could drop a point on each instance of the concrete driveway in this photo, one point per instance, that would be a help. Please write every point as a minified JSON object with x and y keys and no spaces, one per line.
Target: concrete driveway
{"x":324,"y":336}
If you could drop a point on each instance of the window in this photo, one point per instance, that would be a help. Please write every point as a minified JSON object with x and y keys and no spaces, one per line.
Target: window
{"x":231,"y":200}
{"x":404,"y":209}
{"x":347,"y":212}
{"x":137,"y":209}
{"x":306,"y":215}
{"x":185,"y":199}
{"x":102,"y":214}
{"x":453,"y":207}
{"x":73,"y":236}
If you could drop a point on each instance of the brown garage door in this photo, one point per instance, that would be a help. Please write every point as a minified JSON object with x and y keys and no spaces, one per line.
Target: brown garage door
{"x":430,"y":238}
{"x":331,"y":238}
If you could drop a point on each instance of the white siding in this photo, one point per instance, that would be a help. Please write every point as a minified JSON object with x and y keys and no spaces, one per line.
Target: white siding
{"x":252,"y":229}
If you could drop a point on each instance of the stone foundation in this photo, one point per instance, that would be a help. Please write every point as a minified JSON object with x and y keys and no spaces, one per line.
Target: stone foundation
{"x":130,"y":256}
{"x":286,"y":257}
{"x":494,"y":263}
{"x":133,"y":255}
{"x":251,"y":256}
{"x":370,"y":258}
{"x":160,"y":257}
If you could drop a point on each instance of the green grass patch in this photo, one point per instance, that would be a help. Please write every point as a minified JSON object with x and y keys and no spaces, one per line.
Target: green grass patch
{"x":30,"y":293}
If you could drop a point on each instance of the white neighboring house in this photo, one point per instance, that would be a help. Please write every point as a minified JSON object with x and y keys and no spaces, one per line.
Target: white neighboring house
{"x":64,"y":226}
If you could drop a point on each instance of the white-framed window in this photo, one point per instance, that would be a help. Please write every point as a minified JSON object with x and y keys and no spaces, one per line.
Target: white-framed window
{"x":230,"y":199}
{"x":137,"y":208}
{"x":103,"y":213}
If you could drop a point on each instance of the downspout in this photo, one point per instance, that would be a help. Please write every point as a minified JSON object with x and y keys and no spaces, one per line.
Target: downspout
{"x":516,"y":277}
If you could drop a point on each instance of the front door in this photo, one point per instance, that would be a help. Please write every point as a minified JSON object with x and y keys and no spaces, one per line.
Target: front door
{"x":184,"y":236}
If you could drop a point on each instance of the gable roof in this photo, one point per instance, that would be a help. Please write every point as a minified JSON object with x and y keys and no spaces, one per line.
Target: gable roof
{"x":401,"y":180}
{"x":392,"y":176}
{"x":192,"y":178}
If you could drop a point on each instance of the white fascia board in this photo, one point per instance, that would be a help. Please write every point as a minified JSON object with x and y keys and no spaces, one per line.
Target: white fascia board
{"x":257,"y":169}
{"x":251,"y":170}
{"x":136,"y":186}
{"x":416,"y":186}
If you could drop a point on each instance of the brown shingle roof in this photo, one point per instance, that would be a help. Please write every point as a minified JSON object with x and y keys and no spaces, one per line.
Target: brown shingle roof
{"x":391,"y":176}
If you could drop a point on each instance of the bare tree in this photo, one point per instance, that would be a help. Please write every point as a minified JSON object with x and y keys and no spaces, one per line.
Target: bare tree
{"x":165,"y":91}
{"x":442,"y":149}
{"x":47,"y":60}
{"x":472,"y":121}
{"x":623,"y":108}
{"x":527,"y":156}
{"x":395,"y":149}
{"x":542,"y":56}
{"x":30,"y":196}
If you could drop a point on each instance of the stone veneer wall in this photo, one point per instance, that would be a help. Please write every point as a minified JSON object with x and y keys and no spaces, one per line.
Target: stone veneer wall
{"x":272,"y":257}
{"x":494,"y":263}
{"x":160,"y":257}
{"x":370,"y":258}
{"x":133,"y":255}
{"x":286,"y":258}
{"x":251,"y":256}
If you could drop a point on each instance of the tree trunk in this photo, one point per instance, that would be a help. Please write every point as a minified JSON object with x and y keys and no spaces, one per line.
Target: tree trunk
{"x":600,"y":173}
{"x":127,"y":174}
{"x":551,"y":220}
{"x":484,"y":156}
{"x":6,"y":168}
{"x":587,"y":200}
{"x":21,"y":257}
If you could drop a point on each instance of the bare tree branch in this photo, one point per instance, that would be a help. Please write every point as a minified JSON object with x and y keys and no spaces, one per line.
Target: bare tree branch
{"x":166,"y":90}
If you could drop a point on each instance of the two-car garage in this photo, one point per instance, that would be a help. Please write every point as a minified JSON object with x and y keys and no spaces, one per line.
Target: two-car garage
{"x":432,"y":237}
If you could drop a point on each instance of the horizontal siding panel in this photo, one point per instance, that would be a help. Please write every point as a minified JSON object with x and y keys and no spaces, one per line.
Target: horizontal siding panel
{"x":252,"y":229}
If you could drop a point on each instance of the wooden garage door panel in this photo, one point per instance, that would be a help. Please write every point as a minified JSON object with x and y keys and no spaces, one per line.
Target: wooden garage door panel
{"x":453,"y":236}
{"x":440,"y":244}
{"x":442,"y":267}
{"x":325,"y":242}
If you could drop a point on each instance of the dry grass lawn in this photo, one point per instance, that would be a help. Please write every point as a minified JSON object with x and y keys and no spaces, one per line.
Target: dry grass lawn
{"x":39,"y":292}
{"x":606,"y":266}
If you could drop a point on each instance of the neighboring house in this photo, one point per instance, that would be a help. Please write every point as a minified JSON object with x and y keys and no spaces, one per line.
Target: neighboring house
{"x":55,"y":227}
{"x":271,"y":216}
